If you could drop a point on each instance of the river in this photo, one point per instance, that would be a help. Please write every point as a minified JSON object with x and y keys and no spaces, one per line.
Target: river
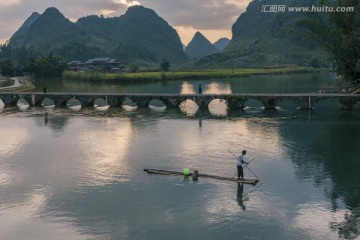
{"x":79,"y":174}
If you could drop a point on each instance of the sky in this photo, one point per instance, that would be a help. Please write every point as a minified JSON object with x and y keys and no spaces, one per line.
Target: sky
{"x":213,"y":18}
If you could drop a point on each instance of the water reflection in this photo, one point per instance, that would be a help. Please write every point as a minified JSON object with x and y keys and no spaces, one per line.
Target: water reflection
{"x":46,"y":118}
{"x":187,"y":88}
{"x":240,"y":197}
{"x":217,"y":88}
{"x":106,"y":152}
{"x":102,"y":108}
{"x":13,"y":139}
{"x":75,"y":108}
{"x":157,"y":109}
{"x":57,"y":123}
{"x":208,"y":88}
{"x":88,"y":182}
{"x":129,"y":108}
{"x":330,"y":158}
{"x":315,"y":217}
{"x":19,"y":225}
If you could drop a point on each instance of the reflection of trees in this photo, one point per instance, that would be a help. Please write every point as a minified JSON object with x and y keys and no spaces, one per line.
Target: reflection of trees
{"x":330,"y":150}
{"x":343,"y":165}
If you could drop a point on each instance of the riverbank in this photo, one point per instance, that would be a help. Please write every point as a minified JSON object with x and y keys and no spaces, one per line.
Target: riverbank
{"x":21,"y":84}
{"x":176,"y":75}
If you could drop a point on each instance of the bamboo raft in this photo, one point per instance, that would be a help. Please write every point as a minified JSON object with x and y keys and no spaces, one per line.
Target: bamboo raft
{"x":175,"y":173}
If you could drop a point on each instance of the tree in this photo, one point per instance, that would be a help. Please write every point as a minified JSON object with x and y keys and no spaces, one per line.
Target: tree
{"x":51,"y":66}
{"x":164,"y":65}
{"x":134,"y":68}
{"x":6,"y":67}
{"x":339,"y":34}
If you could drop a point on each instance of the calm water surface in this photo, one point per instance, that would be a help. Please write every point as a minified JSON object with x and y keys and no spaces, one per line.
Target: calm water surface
{"x":296,"y":83}
{"x":79,"y":175}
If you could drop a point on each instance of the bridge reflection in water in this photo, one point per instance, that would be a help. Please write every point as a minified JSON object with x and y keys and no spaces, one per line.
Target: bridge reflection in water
{"x":232,"y":101}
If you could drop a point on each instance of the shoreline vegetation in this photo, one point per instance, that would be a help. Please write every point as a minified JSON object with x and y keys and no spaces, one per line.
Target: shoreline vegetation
{"x":178,"y":75}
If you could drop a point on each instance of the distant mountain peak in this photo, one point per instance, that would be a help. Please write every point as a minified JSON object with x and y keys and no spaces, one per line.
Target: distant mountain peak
{"x":18,"y":38}
{"x":34,"y":14}
{"x":140,"y":36}
{"x":136,"y":7}
{"x":200,"y":46}
{"x":53,"y":11}
{"x":221,"y":43}
{"x":139,"y":9}
{"x":199,"y":35}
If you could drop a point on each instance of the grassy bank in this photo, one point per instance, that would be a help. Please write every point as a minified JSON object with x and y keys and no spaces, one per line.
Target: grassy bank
{"x":189,"y":75}
{"x":26,"y":86}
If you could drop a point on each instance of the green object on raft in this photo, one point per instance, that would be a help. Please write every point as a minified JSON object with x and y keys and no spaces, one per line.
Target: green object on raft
{"x":186,"y":171}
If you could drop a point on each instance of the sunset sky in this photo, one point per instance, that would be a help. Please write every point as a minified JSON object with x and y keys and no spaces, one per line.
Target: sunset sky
{"x":213,"y":18}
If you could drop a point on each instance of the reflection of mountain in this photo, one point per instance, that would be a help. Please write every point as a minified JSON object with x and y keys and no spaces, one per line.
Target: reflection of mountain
{"x":330,"y":152}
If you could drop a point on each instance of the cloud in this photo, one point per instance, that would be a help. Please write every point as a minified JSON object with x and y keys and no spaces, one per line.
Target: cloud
{"x":9,"y":2}
{"x":199,"y":14}
{"x":207,"y":15}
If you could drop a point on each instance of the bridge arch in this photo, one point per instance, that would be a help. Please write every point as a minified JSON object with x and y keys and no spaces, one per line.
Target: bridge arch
{"x":47,"y":103}
{"x":189,"y":107}
{"x":188,"y":101}
{"x":157,"y":105}
{"x":303,"y":100}
{"x":22,"y":103}
{"x":253,"y":103}
{"x":100,"y":104}
{"x":13,"y":100}
{"x":218,"y":107}
{"x":67,"y":101}
{"x":127,"y":104}
{"x":73,"y":104}
{"x":2,"y":105}
{"x":140,"y":101}
{"x":287,"y":104}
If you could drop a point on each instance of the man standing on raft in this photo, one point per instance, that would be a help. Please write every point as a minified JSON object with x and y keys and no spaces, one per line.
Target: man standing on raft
{"x":239,"y":163}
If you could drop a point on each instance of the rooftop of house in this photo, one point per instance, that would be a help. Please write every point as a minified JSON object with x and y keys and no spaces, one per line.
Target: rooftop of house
{"x":101,"y":60}
{"x":75,"y":62}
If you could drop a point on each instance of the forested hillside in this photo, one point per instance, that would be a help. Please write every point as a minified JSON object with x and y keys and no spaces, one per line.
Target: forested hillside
{"x":139,"y":36}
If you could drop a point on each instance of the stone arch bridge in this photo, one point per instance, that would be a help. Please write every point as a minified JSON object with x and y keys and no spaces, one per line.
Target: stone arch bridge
{"x":233,"y":101}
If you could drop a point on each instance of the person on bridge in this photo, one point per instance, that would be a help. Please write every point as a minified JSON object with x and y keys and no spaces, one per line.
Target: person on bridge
{"x":44,"y":88}
{"x":239,"y":162}
{"x":200,"y":89}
